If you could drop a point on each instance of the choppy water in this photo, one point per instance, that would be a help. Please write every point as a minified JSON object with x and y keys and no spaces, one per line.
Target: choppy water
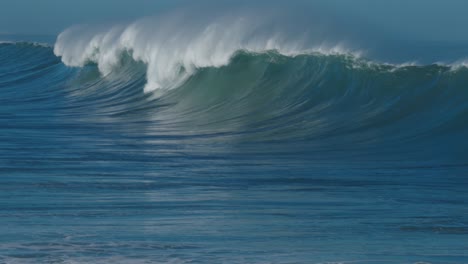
{"x":257,"y":155}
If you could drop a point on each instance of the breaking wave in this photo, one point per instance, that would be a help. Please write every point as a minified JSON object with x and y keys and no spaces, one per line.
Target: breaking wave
{"x":329,"y":100}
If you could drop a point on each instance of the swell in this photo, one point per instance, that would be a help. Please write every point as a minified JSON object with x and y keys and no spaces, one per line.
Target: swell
{"x":326,"y":103}
{"x":28,"y":72}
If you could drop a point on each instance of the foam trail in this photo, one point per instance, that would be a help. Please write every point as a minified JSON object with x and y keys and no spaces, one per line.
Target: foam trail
{"x":173,"y":51}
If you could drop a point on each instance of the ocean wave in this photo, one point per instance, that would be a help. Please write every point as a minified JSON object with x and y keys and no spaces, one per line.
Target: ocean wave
{"x":322,"y":99}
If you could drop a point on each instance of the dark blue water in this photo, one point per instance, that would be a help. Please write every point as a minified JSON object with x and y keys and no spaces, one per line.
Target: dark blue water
{"x":270,"y":159}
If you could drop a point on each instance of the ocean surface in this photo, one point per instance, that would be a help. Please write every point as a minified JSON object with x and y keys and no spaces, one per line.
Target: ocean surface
{"x":228,"y":146}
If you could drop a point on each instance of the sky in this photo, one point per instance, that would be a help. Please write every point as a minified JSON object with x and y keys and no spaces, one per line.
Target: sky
{"x":431,"y":20}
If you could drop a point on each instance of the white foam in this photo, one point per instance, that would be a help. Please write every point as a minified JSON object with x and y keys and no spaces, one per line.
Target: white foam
{"x":457,"y":65}
{"x":173,"y":47}
{"x":36,"y":44}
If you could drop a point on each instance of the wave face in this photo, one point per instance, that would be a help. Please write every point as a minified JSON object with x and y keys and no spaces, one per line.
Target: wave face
{"x":264,"y":92}
{"x":235,"y":146}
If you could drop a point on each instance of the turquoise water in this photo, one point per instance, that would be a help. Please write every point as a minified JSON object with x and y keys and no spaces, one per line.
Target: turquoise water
{"x":270,"y":158}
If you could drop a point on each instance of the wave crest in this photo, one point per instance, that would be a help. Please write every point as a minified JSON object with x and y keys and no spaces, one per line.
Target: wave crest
{"x":173,"y":51}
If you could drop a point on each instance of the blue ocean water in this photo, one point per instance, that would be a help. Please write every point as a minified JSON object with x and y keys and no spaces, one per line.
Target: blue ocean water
{"x":121,"y":146}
